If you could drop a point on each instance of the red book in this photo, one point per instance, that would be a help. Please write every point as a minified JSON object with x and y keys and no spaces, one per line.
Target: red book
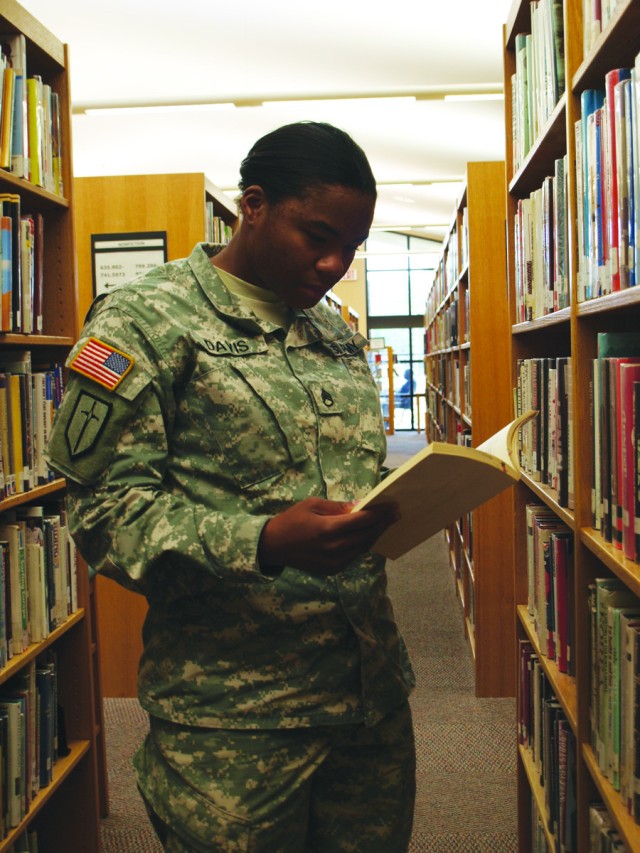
{"x":629,"y":373}
{"x":562,"y":553}
{"x":618,"y":405}
{"x":611,"y":179}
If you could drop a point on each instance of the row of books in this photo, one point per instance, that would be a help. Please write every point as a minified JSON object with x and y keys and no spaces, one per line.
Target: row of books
{"x":550,"y":585}
{"x":546,"y":442}
{"x":436,"y":412}
{"x":596,"y":15}
{"x":30,"y":134}
{"x":27,"y":842}
{"x":445,"y":277}
{"x":603,"y":836}
{"x":38,"y":576}
{"x":31,"y":738}
{"x":541,"y":243}
{"x":217,"y":230}
{"x":544,"y":731}
{"x":442,"y":333}
{"x":616,"y":411}
{"x":608,"y":185}
{"x":615,"y":687}
{"x":448,"y":376}
{"x":539,"y":78}
{"x":29,"y":399}
{"x":539,"y":842}
{"x":21,"y":267}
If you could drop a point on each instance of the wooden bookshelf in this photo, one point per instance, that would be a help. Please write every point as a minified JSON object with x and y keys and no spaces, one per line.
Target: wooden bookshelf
{"x":569,"y":332}
{"x":121,"y":204}
{"x":469,"y":390}
{"x":66,"y":812}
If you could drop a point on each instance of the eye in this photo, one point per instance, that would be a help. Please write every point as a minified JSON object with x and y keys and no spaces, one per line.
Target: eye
{"x":317,"y":239}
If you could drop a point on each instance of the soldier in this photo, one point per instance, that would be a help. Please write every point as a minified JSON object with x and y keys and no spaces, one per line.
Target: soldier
{"x":218,"y":425}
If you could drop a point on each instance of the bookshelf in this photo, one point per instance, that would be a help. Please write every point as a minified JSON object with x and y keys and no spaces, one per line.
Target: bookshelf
{"x":64,"y":813}
{"x":177,"y":205}
{"x":469,"y":396}
{"x":556,"y":332}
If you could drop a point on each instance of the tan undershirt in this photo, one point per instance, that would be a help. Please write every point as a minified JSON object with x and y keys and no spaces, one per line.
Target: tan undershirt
{"x":265,"y":304}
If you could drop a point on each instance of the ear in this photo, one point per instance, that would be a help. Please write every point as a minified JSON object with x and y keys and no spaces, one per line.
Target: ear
{"x":253,"y":203}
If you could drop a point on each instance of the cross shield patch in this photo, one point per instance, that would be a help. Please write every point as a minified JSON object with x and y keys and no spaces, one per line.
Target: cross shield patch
{"x":87,"y":421}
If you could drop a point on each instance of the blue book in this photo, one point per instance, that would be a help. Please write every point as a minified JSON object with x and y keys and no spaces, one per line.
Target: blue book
{"x":590,"y":101}
{"x":6,"y":277}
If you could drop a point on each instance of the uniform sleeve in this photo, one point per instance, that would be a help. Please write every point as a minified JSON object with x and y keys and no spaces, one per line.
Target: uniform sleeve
{"x":112,"y":445}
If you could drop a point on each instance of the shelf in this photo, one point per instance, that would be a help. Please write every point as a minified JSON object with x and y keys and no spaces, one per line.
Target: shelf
{"x":571,"y":332}
{"x":65,"y":813}
{"x":479,"y":363}
{"x":537,"y":792}
{"x":62,"y":768}
{"x":628,"y":828}
{"x":564,"y":685}
{"x":546,"y":496}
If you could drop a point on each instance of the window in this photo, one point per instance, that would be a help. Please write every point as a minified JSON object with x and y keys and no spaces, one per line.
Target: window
{"x":399,"y":273}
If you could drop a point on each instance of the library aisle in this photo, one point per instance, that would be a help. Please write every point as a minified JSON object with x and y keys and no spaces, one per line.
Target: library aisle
{"x":466,"y":778}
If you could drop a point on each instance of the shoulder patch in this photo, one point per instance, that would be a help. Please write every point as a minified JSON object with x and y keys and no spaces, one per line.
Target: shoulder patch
{"x":102,"y":363}
{"x":89,"y":416}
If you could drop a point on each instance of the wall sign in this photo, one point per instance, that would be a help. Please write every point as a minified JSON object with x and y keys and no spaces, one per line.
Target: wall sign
{"x":120,"y":258}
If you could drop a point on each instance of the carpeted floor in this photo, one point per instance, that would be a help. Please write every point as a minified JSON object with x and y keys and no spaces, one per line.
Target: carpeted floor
{"x":466,"y":800}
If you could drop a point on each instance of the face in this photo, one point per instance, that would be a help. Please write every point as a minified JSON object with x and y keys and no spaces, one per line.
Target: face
{"x":300,"y":248}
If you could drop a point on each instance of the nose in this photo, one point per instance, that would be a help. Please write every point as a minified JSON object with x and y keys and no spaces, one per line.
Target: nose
{"x":334,"y":263}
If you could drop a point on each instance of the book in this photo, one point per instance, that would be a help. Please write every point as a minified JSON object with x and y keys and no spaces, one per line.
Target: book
{"x":443,"y":482}
{"x":17,"y":584}
{"x":6,"y":125}
{"x":15,"y":49}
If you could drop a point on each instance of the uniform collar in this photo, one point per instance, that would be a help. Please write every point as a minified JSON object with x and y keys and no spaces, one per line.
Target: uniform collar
{"x":307,"y":325}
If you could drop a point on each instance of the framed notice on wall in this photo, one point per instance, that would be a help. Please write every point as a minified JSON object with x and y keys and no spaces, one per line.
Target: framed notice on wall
{"x":119,"y":258}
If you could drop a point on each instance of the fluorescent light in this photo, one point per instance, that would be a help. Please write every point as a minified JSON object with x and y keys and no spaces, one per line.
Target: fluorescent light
{"x":161,"y":109}
{"x":399,"y":95}
{"x":407,"y":185}
{"x":470,"y":96}
{"x":348,"y":100}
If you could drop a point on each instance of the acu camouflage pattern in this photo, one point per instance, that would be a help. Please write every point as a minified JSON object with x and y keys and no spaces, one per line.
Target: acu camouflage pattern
{"x":222,"y":422}
{"x":335,"y":789}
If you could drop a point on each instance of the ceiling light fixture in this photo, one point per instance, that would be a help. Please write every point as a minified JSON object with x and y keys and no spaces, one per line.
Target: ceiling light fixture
{"x":420,"y":93}
{"x":485,"y":96}
{"x":159,"y":109}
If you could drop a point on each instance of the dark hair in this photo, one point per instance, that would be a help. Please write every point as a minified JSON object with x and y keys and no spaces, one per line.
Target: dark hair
{"x":291,"y":160}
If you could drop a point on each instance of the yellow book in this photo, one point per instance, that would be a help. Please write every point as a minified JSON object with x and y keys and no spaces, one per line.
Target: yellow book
{"x":35,"y":119}
{"x":6,"y":126}
{"x":441,"y":483}
{"x":16,"y":430}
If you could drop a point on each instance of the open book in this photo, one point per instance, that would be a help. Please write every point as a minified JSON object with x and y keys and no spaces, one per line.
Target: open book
{"x":442,"y":482}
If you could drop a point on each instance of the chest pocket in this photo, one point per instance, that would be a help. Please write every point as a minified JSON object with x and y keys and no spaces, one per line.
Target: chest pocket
{"x":251,"y":416}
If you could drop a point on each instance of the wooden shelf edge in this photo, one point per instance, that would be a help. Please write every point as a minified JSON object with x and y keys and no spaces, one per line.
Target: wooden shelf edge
{"x":627,"y":826}
{"x":61,"y":769}
{"x":545,"y":494}
{"x":37,"y":493}
{"x":17,"y":662}
{"x":538,"y":793}
{"x":564,"y":686}
{"x":627,"y":570}
{"x":553,"y":319}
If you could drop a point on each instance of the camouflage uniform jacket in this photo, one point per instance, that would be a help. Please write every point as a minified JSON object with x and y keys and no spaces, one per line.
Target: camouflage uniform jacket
{"x":213,"y":422}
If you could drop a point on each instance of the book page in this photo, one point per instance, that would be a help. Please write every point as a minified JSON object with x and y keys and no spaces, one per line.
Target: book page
{"x":504,"y":443}
{"x":439,"y":484}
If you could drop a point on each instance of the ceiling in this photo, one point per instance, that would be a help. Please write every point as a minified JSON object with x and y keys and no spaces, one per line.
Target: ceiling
{"x":385,"y":65}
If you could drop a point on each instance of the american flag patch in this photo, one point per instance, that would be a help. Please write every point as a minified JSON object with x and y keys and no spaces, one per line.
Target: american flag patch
{"x":102,"y":362}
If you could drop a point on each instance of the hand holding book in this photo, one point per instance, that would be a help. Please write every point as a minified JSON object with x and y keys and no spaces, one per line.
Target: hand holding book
{"x":442,"y":482}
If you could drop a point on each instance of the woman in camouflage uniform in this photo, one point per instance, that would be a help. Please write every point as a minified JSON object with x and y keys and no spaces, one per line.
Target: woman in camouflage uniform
{"x":218,"y":424}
